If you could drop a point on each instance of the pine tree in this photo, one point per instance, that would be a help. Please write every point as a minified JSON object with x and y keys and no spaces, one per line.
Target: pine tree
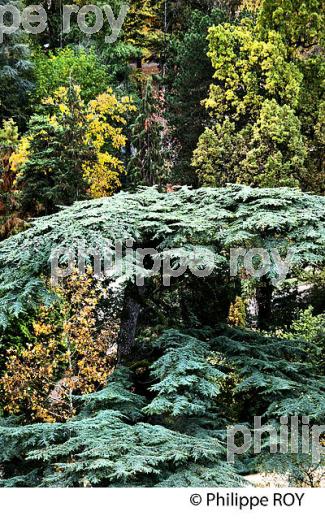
{"x":301,"y":23}
{"x":16,"y":76}
{"x":189,"y":73}
{"x":188,"y":385}
{"x":200,"y":221}
{"x":277,"y":150}
{"x":206,"y":379}
{"x":249,"y":92}
{"x":52,"y":174}
{"x":74,"y":150}
{"x":147,"y":165}
{"x":104,"y":446}
{"x":143,"y":28}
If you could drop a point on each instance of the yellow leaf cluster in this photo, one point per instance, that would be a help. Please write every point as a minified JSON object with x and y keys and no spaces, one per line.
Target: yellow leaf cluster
{"x":69,"y":353}
{"x":102,"y":121}
{"x":237,"y":313}
{"x":104,"y":114}
{"x":20,"y":156}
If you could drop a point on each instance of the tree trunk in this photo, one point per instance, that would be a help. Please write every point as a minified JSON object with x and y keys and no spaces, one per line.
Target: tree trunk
{"x":264,"y":294}
{"x":129,"y":321}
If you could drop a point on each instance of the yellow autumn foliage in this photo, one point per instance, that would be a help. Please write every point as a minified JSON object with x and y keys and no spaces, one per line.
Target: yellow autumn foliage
{"x":103,"y":120}
{"x":19,"y":157}
{"x":68,"y":354}
{"x":237,"y":313}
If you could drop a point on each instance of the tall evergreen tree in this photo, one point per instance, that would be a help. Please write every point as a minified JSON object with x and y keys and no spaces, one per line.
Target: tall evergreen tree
{"x":107,"y":445}
{"x":256,"y":67}
{"x":16,"y":75}
{"x":189,"y":73}
{"x":148,"y":162}
{"x":52,"y":175}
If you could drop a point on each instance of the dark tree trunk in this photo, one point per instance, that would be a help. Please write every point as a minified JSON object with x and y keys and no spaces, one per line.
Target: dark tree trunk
{"x":264,"y":294}
{"x":129,"y":321}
